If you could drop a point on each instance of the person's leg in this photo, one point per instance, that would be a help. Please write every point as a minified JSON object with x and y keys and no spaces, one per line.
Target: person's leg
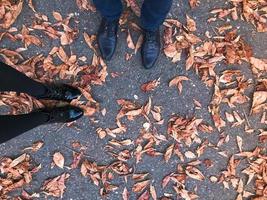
{"x":13,"y":80}
{"x":107,"y":31}
{"x":153,"y":13}
{"x":109,"y":9}
{"x":14,"y":125}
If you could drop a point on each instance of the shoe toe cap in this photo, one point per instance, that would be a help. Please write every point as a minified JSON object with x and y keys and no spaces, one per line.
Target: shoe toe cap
{"x":149,"y":63}
{"x":150,"y":55}
{"x":72,"y":93}
{"x":107,"y":53}
{"x":75,"y":113}
{"x":107,"y":47}
{"x":149,"y":60}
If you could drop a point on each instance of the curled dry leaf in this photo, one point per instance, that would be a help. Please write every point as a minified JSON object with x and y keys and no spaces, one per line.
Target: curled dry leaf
{"x":56,"y":186}
{"x":190,"y":155}
{"x":191,"y":24}
{"x":15,"y":173}
{"x":9,"y":12}
{"x":168,"y":153}
{"x":101,"y":133}
{"x":129,"y":39}
{"x":58,"y":159}
{"x":76,"y":159}
{"x":139,"y":43}
{"x":194,"y":3}
{"x":35,"y":146}
{"x":213,"y":179}
{"x":125,"y":194}
{"x":144,"y":196}
{"x":194,"y":173}
{"x":140,"y":177}
{"x":140,"y":186}
{"x":89,"y":39}
{"x":177,"y":81}
{"x":134,"y":6}
{"x":259,"y":101}
{"x":239,"y":141}
{"x":85,"y":5}
{"x":57,"y":16}
{"x":153,"y":192}
{"x":151,"y":85}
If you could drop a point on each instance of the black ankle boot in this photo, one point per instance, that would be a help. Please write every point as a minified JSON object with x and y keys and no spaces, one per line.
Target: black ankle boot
{"x":107,"y":38}
{"x":62,"y":114}
{"x":61,"y":92}
{"x":150,"y":48}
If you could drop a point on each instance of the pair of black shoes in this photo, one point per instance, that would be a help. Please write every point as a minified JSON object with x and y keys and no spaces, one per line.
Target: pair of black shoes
{"x":107,"y":41}
{"x":61,"y":92}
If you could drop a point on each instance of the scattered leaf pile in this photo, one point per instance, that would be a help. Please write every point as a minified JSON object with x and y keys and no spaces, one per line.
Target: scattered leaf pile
{"x":185,"y":139}
{"x":16,"y":173}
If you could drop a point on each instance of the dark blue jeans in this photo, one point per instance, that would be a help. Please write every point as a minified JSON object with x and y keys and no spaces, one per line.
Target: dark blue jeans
{"x":153,"y":12}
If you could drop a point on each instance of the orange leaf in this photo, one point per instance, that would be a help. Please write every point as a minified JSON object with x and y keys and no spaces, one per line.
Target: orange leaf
{"x":58,"y":159}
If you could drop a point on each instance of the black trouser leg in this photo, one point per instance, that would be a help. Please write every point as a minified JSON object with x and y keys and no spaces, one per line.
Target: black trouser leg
{"x":13,"y":125}
{"x":13,"y":80}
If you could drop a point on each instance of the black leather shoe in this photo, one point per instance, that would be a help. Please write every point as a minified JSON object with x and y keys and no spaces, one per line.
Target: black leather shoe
{"x":61,"y":92}
{"x":150,"y":48}
{"x":107,"y":38}
{"x":62,"y":114}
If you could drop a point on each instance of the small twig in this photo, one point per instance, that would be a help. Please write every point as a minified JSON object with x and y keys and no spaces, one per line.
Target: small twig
{"x":246,"y":117}
{"x":60,"y":128}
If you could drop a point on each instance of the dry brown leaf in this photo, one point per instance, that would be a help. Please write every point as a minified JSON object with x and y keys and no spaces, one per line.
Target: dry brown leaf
{"x":58,"y":159}
{"x":125,"y":194}
{"x":129,"y":39}
{"x":191,"y":24}
{"x":229,"y":117}
{"x":134,"y":6}
{"x":13,"y":11}
{"x":144,"y":196}
{"x":194,"y":3}
{"x":259,"y":101}
{"x":101,"y":133}
{"x":85,"y":5}
{"x":239,"y":141}
{"x":55,"y":186}
{"x":76,"y":159}
{"x":150,"y":86}
{"x":194,"y":173}
{"x":139,"y":43}
{"x":190,"y":155}
{"x":35,"y":146}
{"x":140,"y":186}
{"x":168,"y":153}
{"x":57,"y":16}
{"x":90,"y":40}
{"x":153,"y":192}
{"x":177,"y":81}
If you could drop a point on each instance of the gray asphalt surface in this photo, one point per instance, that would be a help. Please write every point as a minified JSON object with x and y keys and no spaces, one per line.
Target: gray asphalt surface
{"x":58,"y":138}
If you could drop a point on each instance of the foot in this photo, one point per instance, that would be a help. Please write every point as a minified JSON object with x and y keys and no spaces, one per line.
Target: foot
{"x":61,"y":92}
{"x":107,"y":38}
{"x":62,"y":114}
{"x":150,"y":48}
